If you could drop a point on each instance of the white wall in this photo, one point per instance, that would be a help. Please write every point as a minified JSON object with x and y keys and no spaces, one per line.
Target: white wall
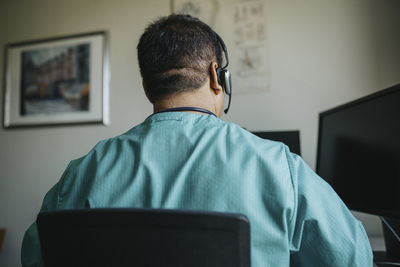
{"x":323,"y":53}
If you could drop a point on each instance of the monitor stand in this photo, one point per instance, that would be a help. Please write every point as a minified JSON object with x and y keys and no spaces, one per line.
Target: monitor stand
{"x":391,"y":231}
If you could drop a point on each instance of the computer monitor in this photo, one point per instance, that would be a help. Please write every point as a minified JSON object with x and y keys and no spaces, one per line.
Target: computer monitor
{"x":359,"y":154}
{"x":289,"y":138}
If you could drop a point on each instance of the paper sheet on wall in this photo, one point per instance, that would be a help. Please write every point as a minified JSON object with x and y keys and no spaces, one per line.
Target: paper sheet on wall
{"x":243,"y":26}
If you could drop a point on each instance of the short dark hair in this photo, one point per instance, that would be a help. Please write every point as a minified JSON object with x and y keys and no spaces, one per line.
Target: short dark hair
{"x":175,"y":53}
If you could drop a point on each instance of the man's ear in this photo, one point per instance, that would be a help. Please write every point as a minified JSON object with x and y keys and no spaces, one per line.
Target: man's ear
{"x":214,"y":85}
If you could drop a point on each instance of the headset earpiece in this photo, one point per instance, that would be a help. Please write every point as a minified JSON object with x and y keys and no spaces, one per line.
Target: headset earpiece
{"x":227,"y":81}
{"x":224,"y":79}
{"x":220,"y":77}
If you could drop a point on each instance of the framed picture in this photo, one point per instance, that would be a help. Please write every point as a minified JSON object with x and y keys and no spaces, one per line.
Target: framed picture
{"x":57,"y":81}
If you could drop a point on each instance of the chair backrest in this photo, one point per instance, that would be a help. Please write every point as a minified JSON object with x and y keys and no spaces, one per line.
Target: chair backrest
{"x":2,"y":237}
{"x":143,"y":237}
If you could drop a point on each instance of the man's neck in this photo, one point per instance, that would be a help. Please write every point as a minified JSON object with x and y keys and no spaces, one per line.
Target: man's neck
{"x":192,"y":99}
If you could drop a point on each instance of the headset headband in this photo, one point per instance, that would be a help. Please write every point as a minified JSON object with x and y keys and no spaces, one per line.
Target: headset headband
{"x":224,"y":76}
{"x":223,"y":46}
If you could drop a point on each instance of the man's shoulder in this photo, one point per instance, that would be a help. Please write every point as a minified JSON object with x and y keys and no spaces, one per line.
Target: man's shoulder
{"x":107,"y":146}
{"x":132,"y":134}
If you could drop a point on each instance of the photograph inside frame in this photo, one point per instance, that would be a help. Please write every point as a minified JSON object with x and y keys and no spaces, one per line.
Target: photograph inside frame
{"x":55,"y":80}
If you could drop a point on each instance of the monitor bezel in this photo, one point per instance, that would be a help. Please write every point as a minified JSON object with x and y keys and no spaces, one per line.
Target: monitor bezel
{"x":370,"y":97}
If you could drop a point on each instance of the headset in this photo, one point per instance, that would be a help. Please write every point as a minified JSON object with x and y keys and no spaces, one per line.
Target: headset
{"x":223,"y":74}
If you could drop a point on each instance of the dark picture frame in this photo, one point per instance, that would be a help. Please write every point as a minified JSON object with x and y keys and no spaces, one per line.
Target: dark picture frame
{"x":57,"y":81}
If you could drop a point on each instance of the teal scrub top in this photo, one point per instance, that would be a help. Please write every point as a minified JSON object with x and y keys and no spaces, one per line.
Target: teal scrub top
{"x":181,"y":160}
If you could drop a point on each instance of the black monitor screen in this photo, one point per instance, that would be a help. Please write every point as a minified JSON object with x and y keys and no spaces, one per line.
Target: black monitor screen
{"x":359,"y":152}
{"x":289,"y":138}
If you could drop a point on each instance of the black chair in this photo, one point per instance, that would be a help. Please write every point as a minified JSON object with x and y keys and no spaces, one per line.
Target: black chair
{"x":143,"y":237}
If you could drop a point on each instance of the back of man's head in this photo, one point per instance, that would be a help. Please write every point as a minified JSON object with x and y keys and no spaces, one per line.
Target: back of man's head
{"x":175,"y":54}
